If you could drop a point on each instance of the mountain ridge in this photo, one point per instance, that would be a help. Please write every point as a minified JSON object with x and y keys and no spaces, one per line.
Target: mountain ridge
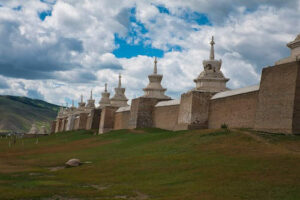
{"x":17,"y":113}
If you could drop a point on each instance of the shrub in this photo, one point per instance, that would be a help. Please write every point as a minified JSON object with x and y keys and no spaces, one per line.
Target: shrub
{"x":224,"y":126}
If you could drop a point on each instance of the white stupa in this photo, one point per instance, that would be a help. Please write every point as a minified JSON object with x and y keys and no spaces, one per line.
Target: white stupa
{"x":72,"y":108}
{"x":33,"y":130}
{"x":61,"y":111}
{"x":154,"y":88}
{"x":212,"y":78}
{"x":295,"y":52}
{"x":105,"y":101}
{"x":91,"y":101}
{"x":119,"y":99}
{"x":43,"y":131}
{"x":81,"y":104}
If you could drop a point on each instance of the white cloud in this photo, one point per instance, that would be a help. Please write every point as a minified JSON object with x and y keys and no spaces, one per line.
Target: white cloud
{"x":3,"y":83}
{"x":71,"y":50}
{"x":245,"y":44}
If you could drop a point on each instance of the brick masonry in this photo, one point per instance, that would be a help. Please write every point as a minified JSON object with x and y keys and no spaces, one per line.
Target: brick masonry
{"x":53,"y":126}
{"x":76,"y":123}
{"x":121,"y":120}
{"x":278,"y":99}
{"x":107,"y":119}
{"x":63,"y":125}
{"x":237,"y":111}
{"x":166,"y":117}
{"x":89,"y":119}
{"x":141,"y":112}
{"x":96,"y":119}
{"x":296,"y":117}
{"x":82,"y":121}
{"x":193,"y":110}
{"x":57,"y":124}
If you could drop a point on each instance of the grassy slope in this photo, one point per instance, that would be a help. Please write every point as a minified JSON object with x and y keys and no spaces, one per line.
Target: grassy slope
{"x":18,"y":113}
{"x":210,"y":164}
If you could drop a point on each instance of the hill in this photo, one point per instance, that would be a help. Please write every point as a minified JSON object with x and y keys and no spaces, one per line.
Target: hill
{"x":18,"y":113}
{"x":152,"y":164}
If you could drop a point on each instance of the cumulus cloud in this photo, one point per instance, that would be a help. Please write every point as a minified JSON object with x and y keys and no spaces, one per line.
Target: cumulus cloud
{"x":219,"y":10}
{"x":33,"y":49}
{"x":245,"y":44}
{"x":56,"y":50}
{"x":3,"y":83}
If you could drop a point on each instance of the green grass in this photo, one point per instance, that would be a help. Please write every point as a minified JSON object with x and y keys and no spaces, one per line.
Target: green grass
{"x":153,"y":164}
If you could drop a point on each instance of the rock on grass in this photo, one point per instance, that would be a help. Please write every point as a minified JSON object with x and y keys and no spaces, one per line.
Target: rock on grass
{"x":74,"y":162}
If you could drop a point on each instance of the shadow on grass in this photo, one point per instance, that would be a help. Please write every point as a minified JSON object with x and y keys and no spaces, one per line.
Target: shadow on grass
{"x":273,"y":137}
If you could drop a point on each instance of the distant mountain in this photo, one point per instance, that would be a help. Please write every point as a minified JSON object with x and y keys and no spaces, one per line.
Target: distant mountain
{"x":18,"y":113}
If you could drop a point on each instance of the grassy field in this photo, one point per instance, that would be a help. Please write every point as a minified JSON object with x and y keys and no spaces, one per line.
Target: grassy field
{"x":152,"y":164}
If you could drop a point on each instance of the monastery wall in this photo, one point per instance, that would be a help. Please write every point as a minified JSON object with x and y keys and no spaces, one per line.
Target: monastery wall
{"x":82,"y":121}
{"x":88,"y":125}
{"x":63,"y":126}
{"x":96,"y":114}
{"x":57,"y":125}
{"x":122,"y":116}
{"x":141,"y":112}
{"x":193,"y":110}
{"x":76,"y":123}
{"x":235,"y":108}
{"x":278,"y":100}
{"x":165,"y":114}
{"x":53,"y":126}
{"x":70,"y":123}
{"x":107,"y":119}
{"x":296,"y":117}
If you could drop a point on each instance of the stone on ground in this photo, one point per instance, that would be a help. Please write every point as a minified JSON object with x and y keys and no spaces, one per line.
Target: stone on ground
{"x":73,"y":162}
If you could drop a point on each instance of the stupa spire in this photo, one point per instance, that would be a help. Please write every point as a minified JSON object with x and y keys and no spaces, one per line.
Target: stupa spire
{"x":212,"y":49}
{"x":91,"y":101}
{"x":119,"y":99}
{"x":155,"y":66}
{"x":105,"y":101}
{"x":120,"y":85}
{"x":81,"y":104}
{"x":91,"y":97}
{"x":72,"y":108}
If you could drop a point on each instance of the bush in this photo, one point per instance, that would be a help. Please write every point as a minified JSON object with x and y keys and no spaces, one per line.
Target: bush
{"x":224,"y":126}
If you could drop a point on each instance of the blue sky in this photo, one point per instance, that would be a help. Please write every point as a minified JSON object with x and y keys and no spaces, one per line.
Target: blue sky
{"x":44,"y":14}
{"x":127,"y":46}
{"x":58,"y":50}
{"x":128,"y":50}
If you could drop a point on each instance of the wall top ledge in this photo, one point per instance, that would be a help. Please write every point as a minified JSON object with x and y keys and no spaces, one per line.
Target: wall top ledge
{"x":123,"y":109}
{"x":168,"y":103}
{"x":236,"y":92}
